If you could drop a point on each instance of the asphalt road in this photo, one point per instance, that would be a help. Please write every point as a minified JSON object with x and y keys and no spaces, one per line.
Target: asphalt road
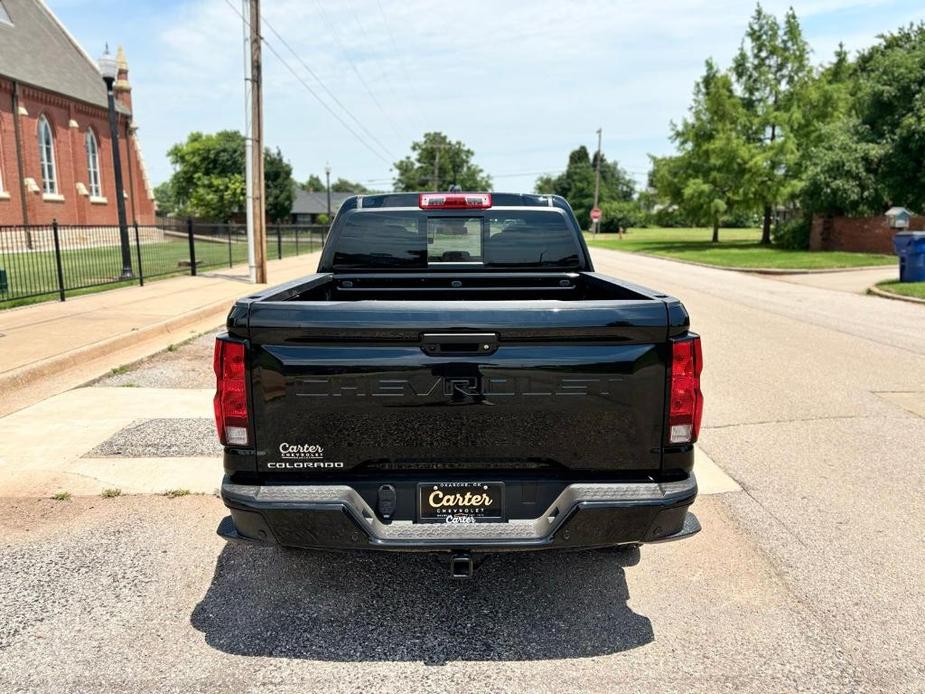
{"x":808,"y":579}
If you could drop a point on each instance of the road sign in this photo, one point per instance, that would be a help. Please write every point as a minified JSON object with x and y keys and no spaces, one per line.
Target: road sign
{"x":595,"y":214}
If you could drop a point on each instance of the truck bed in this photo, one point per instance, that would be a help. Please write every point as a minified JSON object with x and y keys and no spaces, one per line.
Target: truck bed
{"x":571,"y":386}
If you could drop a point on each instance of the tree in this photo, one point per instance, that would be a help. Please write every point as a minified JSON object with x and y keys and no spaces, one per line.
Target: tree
{"x":771,"y":66}
{"x":891,"y":106}
{"x":314,"y":184}
{"x":436,"y":163}
{"x":621,"y":214}
{"x":870,"y":152}
{"x":576,"y":183}
{"x":166,"y":199}
{"x":841,"y":175}
{"x":342,"y":185}
{"x":280,"y":192}
{"x":708,"y":177}
{"x":208,"y":178}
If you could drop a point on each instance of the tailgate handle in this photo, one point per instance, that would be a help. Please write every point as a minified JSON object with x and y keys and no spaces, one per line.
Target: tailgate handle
{"x":436,"y":344}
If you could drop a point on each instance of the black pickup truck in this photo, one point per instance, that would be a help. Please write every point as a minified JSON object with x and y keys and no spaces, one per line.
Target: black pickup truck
{"x":457,"y":378}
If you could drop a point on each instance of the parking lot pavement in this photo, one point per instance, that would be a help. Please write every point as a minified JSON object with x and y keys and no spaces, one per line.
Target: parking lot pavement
{"x":807,"y":575}
{"x":809,"y":406}
{"x":138,"y":594}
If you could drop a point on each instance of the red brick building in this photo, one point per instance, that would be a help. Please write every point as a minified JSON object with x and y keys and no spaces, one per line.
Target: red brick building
{"x":55,"y":144}
{"x":857,"y":234}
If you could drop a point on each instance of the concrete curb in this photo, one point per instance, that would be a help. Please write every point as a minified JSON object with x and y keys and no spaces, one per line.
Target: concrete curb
{"x":890,"y":295}
{"x":27,"y":375}
{"x":757,"y":270}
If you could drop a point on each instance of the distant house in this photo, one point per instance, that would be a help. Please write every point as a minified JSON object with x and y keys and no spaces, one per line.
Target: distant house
{"x":55,"y":144}
{"x":307,"y":206}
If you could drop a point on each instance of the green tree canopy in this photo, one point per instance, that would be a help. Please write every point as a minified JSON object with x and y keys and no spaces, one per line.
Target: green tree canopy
{"x":208,"y":178}
{"x":280,"y":192}
{"x":770,"y":69}
{"x":452,"y":162}
{"x":708,"y":178}
{"x":576,"y":183}
{"x":841,"y":173}
{"x":343,"y":185}
{"x":891,"y":107}
{"x":314,"y":184}
{"x":847,"y":137}
{"x":873,"y":155}
{"x":166,"y":199}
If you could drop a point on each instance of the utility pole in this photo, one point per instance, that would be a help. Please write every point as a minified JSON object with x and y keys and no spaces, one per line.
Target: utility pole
{"x":597,"y":177}
{"x":248,"y":146}
{"x":259,"y":202}
{"x":437,"y":168}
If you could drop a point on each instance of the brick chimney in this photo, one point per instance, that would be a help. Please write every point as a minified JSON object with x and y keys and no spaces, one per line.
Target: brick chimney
{"x":122,"y":89}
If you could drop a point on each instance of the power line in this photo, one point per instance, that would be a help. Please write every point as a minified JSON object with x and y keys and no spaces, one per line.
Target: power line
{"x":311,"y":91}
{"x":328,"y":91}
{"x":332,"y":31}
{"x":385,"y":77}
{"x":426,"y":179}
{"x":400,"y":55}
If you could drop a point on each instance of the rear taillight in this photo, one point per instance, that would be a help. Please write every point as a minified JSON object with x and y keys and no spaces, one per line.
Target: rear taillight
{"x":454,"y":201}
{"x":686,"y":403}
{"x":230,"y":393}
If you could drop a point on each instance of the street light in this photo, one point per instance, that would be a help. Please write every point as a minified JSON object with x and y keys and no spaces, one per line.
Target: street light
{"x":109,"y":69}
{"x":327,"y":176}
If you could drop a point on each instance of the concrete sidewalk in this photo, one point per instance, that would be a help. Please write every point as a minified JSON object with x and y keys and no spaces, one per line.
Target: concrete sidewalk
{"x":851,"y":281}
{"x":48,"y":348}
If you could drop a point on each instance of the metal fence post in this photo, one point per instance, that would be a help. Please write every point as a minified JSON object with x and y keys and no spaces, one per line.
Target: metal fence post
{"x":279,"y":242}
{"x":297,"y":240}
{"x":192,"y":246}
{"x":60,"y":268}
{"x":230,"y":256}
{"x":141,"y":273}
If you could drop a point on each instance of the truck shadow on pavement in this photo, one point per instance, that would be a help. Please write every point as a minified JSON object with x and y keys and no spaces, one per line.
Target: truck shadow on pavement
{"x":380,"y":606}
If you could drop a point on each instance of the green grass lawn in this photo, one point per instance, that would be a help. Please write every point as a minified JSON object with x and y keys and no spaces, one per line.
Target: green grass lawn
{"x":737,"y":248}
{"x":90,"y":270}
{"x":914,"y":289}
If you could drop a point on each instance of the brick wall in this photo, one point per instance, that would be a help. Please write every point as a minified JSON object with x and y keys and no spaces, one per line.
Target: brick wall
{"x":856,"y":234}
{"x":69,"y":120}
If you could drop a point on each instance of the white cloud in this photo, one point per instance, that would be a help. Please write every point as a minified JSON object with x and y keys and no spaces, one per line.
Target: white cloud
{"x":521,"y":82}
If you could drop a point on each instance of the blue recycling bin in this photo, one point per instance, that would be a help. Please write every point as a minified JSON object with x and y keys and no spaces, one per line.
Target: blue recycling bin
{"x":910,"y":247}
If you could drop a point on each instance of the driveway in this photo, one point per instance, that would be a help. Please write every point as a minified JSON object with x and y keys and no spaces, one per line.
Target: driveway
{"x":807,"y":576}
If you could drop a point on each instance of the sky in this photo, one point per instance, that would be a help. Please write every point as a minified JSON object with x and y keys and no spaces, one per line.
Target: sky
{"x":521,"y":83}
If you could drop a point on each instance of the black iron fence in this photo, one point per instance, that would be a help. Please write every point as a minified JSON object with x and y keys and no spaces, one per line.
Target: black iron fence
{"x":57,"y":260}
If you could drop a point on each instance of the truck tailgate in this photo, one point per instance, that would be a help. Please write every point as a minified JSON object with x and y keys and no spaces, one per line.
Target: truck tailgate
{"x":354,"y":386}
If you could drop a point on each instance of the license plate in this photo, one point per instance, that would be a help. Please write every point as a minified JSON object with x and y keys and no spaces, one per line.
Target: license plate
{"x":460,"y":502}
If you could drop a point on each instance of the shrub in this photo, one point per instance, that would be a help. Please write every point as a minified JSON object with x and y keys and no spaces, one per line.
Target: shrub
{"x":621,"y":214}
{"x":792,"y":234}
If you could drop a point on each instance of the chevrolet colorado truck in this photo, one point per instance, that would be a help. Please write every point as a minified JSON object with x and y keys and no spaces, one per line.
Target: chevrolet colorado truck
{"x":457,"y":378}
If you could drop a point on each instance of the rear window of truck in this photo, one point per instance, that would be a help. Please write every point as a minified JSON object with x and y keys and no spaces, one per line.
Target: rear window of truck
{"x":379,"y":239}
